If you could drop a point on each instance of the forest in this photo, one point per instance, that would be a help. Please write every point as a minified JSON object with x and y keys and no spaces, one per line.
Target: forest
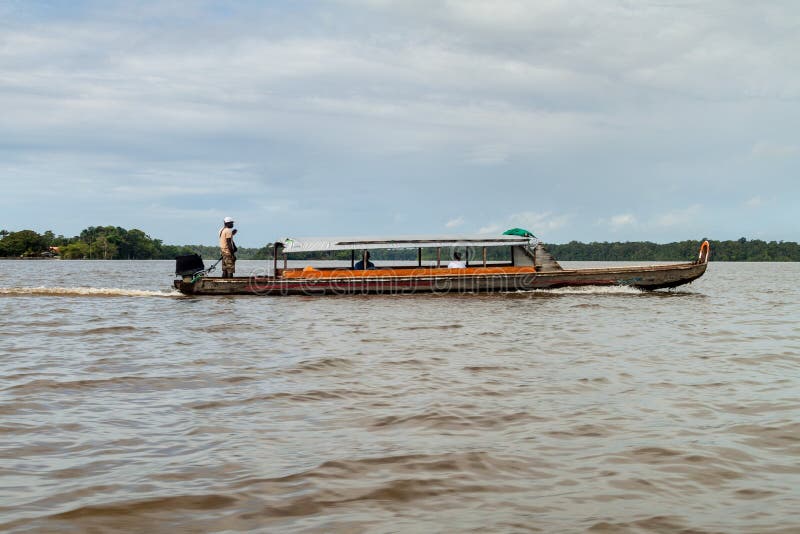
{"x":114,"y":243}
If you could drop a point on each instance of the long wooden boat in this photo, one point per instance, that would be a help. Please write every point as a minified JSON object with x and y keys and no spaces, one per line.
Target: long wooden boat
{"x":528,"y":266}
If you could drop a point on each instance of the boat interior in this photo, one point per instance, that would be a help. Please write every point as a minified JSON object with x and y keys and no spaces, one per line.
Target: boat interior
{"x":518,"y":259}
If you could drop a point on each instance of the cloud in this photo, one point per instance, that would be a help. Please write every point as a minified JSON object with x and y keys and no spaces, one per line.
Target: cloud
{"x":537,"y":223}
{"x":754,"y":202}
{"x":623,"y":220}
{"x":490,"y":229}
{"x":678,"y":217}
{"x":488,"y":155}
{"x":691,"y":49}
{"x":764,"y":149}
{"x":454,"y":223}
{"x":618,"y":222}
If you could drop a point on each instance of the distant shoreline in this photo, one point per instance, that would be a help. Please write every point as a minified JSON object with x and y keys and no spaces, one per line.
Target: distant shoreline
{"x":28,"y":258}
{"x":117,"y":243}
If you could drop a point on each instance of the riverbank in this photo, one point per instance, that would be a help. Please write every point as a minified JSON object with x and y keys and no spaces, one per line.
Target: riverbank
{"x":28,"y":258}
{"x":113,"y":242}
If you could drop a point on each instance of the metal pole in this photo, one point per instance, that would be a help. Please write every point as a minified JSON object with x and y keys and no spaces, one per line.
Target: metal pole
{"x":484,"y":256}
{"x":438,"y":257}
{"x":275,"y":259}
{"x":419,"y":257}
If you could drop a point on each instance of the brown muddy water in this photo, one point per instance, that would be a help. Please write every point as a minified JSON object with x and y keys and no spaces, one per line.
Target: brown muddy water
{"x":126,"y":407}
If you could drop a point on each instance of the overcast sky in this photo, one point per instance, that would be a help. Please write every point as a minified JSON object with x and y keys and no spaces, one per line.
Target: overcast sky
{"x":579,"y":120}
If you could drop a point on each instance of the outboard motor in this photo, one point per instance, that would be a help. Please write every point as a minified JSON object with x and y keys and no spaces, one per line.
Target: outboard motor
{"x":189,"y":265}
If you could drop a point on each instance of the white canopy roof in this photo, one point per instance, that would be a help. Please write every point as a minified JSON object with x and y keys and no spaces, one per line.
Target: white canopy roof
{"x":309,"y":244}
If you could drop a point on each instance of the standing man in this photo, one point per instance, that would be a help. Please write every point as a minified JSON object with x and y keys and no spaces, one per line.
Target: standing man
{"x":228,"y":248}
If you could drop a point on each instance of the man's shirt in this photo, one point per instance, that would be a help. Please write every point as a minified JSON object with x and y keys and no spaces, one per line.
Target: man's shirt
{"x":225,"y":234}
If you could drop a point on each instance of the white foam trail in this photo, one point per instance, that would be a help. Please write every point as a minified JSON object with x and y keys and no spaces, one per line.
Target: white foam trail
{"x":83,"y":292}
{"x":588,"y":290}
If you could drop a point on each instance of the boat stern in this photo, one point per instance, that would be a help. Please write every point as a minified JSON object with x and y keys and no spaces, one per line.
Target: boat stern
{"x":185,"y":285}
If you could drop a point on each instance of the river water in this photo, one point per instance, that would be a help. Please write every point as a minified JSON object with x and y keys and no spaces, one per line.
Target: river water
{"x":127,"y":407}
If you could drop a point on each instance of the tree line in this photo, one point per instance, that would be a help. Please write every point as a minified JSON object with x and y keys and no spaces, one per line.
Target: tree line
{"x":115,"y":242}
{"x":94,"y":242}
{"x":739,"y":250}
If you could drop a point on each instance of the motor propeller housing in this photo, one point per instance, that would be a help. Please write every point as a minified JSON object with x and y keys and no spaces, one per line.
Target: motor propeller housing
{"x":189,"y":265}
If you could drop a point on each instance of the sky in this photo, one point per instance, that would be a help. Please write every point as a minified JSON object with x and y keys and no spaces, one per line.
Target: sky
{"x":580,"y":120}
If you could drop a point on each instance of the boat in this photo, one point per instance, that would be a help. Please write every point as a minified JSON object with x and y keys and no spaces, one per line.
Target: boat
{"x":525,"y":265}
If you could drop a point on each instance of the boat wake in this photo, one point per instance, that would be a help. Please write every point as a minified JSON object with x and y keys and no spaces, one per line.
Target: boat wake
{"x":593,"y":290}
{"x":82,"y":292}
{"x":602,"y":290}
{"x":583,"y":290}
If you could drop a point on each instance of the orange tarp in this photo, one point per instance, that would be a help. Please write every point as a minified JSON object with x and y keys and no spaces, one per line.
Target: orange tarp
{"x":417,"y":271}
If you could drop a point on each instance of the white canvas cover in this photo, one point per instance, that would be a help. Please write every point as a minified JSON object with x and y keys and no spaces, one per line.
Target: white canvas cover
{"x":310,"y":244}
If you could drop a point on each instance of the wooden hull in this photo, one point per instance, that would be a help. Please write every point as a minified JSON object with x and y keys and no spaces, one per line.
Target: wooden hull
{"x":646,"y":278}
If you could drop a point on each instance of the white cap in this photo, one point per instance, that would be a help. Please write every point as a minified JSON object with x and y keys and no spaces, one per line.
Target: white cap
{"x":227,"y":220}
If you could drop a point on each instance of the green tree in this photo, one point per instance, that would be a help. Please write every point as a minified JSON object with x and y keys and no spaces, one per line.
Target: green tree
{"x":74,"y":251}
{"x":22,"y":243}
{"x":104,"y":249}
{"x":139,"y":245}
